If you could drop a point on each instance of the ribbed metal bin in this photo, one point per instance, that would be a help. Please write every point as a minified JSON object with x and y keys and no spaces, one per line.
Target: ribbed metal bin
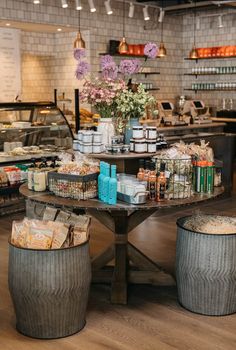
{"x":49,"y":289}
{"x":206,"y":271}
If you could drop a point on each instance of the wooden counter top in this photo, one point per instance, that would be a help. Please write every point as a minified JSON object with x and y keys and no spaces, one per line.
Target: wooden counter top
{"x":224,"y":120}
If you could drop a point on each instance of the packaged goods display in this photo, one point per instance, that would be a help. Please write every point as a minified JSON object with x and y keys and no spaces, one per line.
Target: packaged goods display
{"x":75,"y":179}
{"x":38,"y":173}
{"x":146,"y":140}
{"x":131,"y":190}
{"x":88,"y":141}
{"x":51,"y":234}
{"x":211,"y":224}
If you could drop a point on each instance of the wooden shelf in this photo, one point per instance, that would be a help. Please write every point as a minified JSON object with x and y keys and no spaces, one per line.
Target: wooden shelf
{"x":210,"y":90}
{"x":208,"y":74}
{"x":124,"y":55}
{"x":141,"y":73}
{"x":152,"y":89}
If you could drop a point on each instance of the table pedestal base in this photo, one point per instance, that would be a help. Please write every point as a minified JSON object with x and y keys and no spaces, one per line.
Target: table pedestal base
{"x":131,"y":265}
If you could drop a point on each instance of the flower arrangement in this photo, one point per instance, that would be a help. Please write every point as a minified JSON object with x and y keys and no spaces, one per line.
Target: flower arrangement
{"x":103,"y":94}
{"x":109,"y":94}
{"x":132,"y":104}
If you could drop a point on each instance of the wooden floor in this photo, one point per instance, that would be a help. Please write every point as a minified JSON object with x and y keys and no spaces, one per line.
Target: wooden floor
{"x":152,"y":320}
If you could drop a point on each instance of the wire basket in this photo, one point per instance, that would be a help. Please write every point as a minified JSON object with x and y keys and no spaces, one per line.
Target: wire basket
{"x":178,"y":173}
{"x":73,"y":186}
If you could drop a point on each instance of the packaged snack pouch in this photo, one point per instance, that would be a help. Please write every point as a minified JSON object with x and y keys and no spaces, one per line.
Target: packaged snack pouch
{"x":50,"y":214}
{"x":39,"y":238}
{"x":60,"y":233}
{"x":19,"y":233}
{"x":63,"y":216}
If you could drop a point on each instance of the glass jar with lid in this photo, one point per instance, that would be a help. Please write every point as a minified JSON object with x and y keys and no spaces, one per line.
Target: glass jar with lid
{"x":140,"y":146}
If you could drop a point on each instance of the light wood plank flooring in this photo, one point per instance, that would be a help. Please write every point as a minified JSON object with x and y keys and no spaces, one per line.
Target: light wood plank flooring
{"x":153,"y":319}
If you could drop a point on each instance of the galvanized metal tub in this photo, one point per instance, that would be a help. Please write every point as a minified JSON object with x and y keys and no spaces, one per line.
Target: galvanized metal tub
{"x":206,"y":271}
{"x":49,"y":290}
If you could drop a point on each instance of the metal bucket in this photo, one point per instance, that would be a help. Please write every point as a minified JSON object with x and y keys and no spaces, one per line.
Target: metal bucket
{"x":49,"y":290}
{"x":206,"y":271}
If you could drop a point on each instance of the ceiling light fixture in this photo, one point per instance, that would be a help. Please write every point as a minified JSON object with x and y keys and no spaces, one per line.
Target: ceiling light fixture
{"x":64,"y":4}
{"x":108,"y":8}
{"x":79,"y":43}
{"x":161,"y":15}
{"x":8,"y":24}
{"x":146,"y":14}
{"x":59,"y":29}
{"x":92,"y":6}
{"x":193,"y":53}
{"x":162,"y":49}
{"x":131,"y":10}
{"x":198,"y":24}
{"x":78,"y":5}
{"x":36,"y":2}
{"x":123,"y":46}
{"x":220,"y":22}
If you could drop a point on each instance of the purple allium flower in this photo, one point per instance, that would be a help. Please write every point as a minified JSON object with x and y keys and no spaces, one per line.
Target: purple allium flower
{"x":151,"y":50}
{"x":136,"y":65}
{"x":128,"y":67}
{"x":105,"y":61}
{"x":82,"y":69}
{"x":79,"y":53}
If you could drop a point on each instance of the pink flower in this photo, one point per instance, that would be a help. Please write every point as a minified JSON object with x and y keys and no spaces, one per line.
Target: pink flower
{"x":82,"y":69}
{"x":79,"y":53}
{"x":151,"y":50}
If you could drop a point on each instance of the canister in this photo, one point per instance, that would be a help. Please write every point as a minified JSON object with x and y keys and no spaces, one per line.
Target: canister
{"x":140,"y":146}
{"x":87,"y":148}
{"x":151,"y":146}
{"x":80,"y":135}
{"x":131,"y":145}
{"x":76,"y":145}
{"x":39,"y":181}
{"x":87,"y":137}
{"x":151,"y":132}
{"x":97,"y":147}
{"x":97,"y":137}
{"x":138,"y":132}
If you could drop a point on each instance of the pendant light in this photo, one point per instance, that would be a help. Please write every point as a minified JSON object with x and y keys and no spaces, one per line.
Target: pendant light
{"x":79,"y":43}
{"x":193,"y":53}
{"x":162,"y":49}
{"x":123,"y":46}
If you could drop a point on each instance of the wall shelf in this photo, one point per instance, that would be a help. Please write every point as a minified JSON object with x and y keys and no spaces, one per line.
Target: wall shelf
{"x":124,"y":55}
{"x":142,"y":73}
{"x":207,"y":74}
{"x":209,"y":58}
{"x":210,"y":90}
{"x":153,"y":89}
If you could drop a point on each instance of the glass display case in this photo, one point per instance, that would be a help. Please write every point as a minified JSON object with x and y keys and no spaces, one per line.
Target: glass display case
{"x":25,"y":124}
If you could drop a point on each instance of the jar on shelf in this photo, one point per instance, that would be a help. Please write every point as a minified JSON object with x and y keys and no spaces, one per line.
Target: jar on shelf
{"x":140,"y":146}
{"x":97,"y":137}
{"x":138,"y":132}
{"x":97,"y":147}
{"x":151,"y":146}
{"x":151,"y":132}
{"x":87,"y":148}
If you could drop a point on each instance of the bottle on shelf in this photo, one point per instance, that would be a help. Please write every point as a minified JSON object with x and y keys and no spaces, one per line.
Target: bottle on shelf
{"x":140,"y":174}
{"x":146,"y":171}
{"x":100,"y":179}
{"x":152,"y":182}
{"x":113,"y":186}
{"x":161,"y":184}
{"x":105,"y":184}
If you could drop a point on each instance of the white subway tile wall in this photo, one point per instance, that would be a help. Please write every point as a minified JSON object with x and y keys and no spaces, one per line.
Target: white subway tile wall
{"x":48,"y":61}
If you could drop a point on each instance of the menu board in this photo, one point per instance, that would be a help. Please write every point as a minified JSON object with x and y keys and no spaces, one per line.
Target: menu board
{"x":10,"y":64}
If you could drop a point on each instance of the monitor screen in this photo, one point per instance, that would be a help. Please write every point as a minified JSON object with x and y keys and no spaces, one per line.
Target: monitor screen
{"x":198,"y":104}
{"x":166,"y":106}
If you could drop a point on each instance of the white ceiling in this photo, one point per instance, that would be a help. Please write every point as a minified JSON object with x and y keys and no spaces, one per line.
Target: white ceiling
{"x":36,"y":27}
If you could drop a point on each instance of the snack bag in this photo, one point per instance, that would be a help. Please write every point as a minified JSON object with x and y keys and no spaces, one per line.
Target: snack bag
{"x":80,"y":235}
{"x":50,"y":214}
{"x":60,"y":233}
{"x":63,"y":216}
{"x":19,"y":233}
{"x":39,"y":238}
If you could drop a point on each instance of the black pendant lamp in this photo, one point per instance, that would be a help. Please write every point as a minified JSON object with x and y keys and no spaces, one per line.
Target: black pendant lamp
{"x":162,"y":49}
{"x":193,"y":53}
{"x":123,"y":46}
{"x":79,"y":43}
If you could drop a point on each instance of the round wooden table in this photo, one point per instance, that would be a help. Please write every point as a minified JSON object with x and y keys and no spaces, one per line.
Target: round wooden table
{"x":120,"y":219}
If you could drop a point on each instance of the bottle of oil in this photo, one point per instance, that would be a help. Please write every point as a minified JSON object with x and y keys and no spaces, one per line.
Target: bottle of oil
{"x":152,"y":182}
{"x":161,"y":184}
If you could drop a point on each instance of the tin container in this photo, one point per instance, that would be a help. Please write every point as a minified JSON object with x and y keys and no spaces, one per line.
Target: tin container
{"x":140,"y":146}
{"x":138,"y":132}
{"x":151,"y":132}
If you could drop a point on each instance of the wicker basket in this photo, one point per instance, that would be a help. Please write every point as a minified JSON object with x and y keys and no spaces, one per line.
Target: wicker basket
{"x":73,"y":186}
{"x":179,"y":177}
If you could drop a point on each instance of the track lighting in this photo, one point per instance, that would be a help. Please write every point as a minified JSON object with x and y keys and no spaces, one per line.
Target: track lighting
{"x":92,"y":6}
{"x":198,"y":25}
{"x":145,"y":13}
{"x":64,"y":4}
{"x":78,"y":5}
{"x":131,"y":10}
{"x":108,"y":8}
{"x":220,"y":22}
{"x":161,"y":15}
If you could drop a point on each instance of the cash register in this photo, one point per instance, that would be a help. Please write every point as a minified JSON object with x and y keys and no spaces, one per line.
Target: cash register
{"x":198,"y":111}
{"x":166,"y":113}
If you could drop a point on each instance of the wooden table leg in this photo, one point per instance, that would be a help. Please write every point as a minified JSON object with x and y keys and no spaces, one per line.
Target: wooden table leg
{"x":119,"y":279}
